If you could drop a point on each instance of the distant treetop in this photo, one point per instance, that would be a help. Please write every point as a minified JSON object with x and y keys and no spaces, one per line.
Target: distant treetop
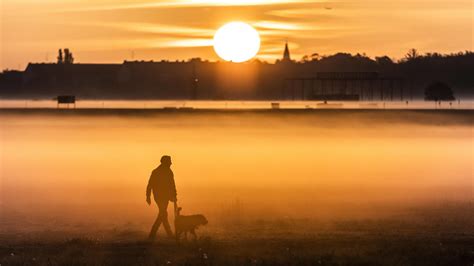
{"x":67,"y":58}
{"x":439,"y":91}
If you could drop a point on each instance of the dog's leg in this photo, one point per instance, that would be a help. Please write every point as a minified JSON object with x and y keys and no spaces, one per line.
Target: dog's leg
{"x":177,"y":234}
{"x":194,"y":234}
{"x":186,"y":235}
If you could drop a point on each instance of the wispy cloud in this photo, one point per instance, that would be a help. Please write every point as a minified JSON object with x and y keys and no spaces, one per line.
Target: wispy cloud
{"x":162,"y":36}
{"x":185,"y":3}
{"x":155,"y":28}
{"x":277,"y":25}
{"x":299,"y":13}
{"x":191,"y":43}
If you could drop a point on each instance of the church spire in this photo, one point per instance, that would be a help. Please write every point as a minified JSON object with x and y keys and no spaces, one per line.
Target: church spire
{"x":286,"y":54}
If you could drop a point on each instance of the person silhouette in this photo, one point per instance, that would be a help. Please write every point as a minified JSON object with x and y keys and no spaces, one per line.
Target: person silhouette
{"x":162,"y":184}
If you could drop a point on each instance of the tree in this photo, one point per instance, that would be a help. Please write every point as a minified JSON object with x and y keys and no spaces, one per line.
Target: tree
{"x":315,"y":57}
{"x":60,"y":56}
{"x":195,"y":60}
{"x":68,"y":58}
{"x":305,"y":59}
{"x":384,"y":60}
{"x":439,"y":91}
{"x":412,"y":54}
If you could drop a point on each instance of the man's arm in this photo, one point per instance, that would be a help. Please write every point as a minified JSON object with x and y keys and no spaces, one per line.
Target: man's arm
{"x":148,"y":189}
{"x":173,"y":186}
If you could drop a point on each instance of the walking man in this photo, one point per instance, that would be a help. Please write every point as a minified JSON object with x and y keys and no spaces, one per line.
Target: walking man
{"x":164,"y":190}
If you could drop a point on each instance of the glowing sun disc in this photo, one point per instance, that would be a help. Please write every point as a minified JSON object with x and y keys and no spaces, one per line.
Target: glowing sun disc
{"x":236,"y":42}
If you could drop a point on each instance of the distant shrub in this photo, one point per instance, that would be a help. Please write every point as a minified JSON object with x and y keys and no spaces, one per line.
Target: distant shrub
{"x":439,"y":91}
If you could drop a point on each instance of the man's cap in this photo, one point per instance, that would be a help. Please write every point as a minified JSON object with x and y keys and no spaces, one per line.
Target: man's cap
{"x":165,"y":159}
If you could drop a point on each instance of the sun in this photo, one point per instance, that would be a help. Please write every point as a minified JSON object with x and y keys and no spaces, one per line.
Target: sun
{"x":236,"y":42}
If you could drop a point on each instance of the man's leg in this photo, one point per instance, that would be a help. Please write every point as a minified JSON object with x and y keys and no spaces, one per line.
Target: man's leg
{"x":155,"y":227}
{"x":163,"y":207}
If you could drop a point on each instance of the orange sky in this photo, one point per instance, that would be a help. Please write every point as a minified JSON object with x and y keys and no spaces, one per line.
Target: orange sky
{"x":109,"y":30}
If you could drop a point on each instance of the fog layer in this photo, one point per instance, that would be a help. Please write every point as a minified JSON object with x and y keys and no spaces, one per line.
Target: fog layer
{"x":75,"y":168}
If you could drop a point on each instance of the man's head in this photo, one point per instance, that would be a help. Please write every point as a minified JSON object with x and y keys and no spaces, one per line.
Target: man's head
{"x":166,"y":160}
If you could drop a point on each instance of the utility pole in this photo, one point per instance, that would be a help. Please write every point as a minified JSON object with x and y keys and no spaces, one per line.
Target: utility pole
{"x":195,"y":82}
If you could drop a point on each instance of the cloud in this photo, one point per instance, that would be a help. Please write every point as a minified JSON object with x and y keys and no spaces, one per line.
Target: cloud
{"x":191,"y":43}
{"x":154,"y":28}
{"x":184,"y":3}
{"x":277,"y":25}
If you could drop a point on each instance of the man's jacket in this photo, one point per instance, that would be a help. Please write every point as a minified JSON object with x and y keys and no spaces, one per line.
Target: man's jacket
{"x":162,"y":184}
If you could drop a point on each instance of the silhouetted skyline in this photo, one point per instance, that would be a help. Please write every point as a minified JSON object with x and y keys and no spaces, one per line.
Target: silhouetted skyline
{"x":204,"y":80}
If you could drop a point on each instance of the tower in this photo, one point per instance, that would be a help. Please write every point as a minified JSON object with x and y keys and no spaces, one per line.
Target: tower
{"x":286,"y":54}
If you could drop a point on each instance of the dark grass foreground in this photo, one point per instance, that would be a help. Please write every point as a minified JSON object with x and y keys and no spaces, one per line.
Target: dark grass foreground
{"x":322,"y":249}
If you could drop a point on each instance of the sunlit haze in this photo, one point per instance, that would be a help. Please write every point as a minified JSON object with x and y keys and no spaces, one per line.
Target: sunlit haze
{"x":341,"y":165}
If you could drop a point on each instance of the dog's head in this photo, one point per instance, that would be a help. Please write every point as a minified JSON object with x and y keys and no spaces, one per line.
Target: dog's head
{"x":201,"y":219}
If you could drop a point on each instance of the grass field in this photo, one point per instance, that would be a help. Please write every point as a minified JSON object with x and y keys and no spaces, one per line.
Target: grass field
{"x":324,"y":249}
{"x":432,"y":236}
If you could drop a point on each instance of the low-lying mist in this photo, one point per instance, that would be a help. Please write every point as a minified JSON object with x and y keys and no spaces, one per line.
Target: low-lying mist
{"x":90,"y":169}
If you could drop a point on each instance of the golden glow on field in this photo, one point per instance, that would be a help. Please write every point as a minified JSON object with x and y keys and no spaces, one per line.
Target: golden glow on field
{"x":236,"y":42}
{"x":348,"y":164}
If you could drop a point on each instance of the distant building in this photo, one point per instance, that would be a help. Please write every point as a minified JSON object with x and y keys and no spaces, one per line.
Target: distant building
{"x":86,"y":80}
{"x":286,"y":54}
{"x":10,"y":82}
{"x":149,"y":79}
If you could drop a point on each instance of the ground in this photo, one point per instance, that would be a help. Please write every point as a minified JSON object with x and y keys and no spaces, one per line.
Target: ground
{"x":322,"y":249}
{"x":437,"y":241}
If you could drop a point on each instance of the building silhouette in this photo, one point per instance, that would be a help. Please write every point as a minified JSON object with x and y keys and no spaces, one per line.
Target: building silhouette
{"x":286,"y":54}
